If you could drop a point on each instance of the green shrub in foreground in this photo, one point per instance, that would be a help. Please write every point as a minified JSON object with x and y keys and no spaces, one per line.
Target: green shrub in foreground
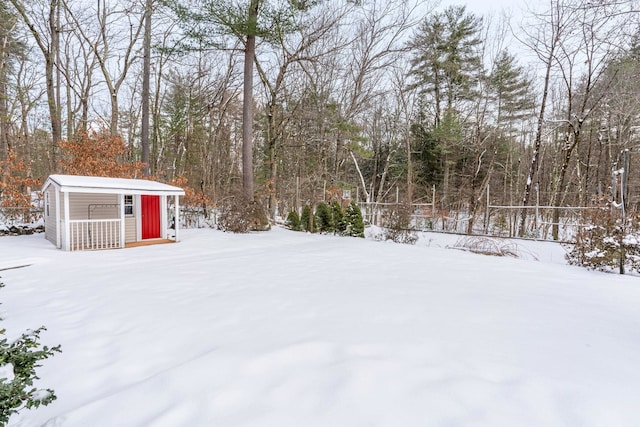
{"x":18,"y":362}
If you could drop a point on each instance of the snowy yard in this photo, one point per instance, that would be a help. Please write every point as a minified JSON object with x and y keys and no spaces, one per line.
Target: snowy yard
{"x":289,"y":329}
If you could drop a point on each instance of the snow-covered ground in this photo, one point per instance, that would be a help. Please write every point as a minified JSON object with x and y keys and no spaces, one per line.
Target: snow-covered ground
{"x":290,"y":329}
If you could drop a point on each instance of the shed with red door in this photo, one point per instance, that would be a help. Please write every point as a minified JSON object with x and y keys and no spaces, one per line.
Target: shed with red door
{"x":89,"y":212}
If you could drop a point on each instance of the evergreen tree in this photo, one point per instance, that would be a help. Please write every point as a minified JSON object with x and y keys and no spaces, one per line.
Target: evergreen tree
{"x":511,"y":89}
{"x":324,"y":219}
{"x":447,"y":69}
{"x":338,"y":217}
{"x":440,"y":150}
{"x":446,"y":63}
{"x":428,"y":157}
{"x":293,"y":221}
{"x":307,"y":220}
{"x":354,"y":224}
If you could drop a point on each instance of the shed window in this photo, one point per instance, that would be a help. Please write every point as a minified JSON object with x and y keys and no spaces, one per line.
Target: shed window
{"x":46,"y":203}
{"x":128,"y":204}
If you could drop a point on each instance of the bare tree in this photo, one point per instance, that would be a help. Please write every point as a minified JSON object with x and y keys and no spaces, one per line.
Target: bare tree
{"x":291,"y":49}
{"x":582,"y":61}
{"x":378,"y":43}
{"x":544,"y":39}
{"x":42,"y":21}
{"x":114,"y":47}
{"x":78,"y":69}
{"x":406,"y":101}
{"x":146,"y":81}
{"x":8,"y":50}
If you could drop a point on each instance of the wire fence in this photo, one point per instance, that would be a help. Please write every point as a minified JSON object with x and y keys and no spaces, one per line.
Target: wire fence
{"x":493,"y":220}
{"x":540,"y":222}
{"x":19,"y":215}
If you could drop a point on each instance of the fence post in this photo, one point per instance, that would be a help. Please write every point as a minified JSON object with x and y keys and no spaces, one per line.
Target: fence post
{"x":623,"y":198}
{"x":298,"y":208}
{"x":486,"y":213}
{"x":433,"y":200}
{"x":535,"y":221}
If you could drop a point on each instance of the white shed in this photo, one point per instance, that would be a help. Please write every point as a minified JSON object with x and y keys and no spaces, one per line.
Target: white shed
{"x":88,"y":212}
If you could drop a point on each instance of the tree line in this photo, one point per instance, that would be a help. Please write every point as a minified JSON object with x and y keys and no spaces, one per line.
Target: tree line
{"x":294,"y":102}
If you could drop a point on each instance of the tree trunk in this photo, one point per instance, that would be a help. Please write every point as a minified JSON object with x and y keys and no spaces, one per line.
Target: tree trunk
{"x":55,"y":44}
{"x":48,"y":49}
{"x":555,"y":228}
{"x":4,"y":114}
{"x":409,"y":169}
{"x":533,"y":167}
{"x":444,"y":200}
{"x":146,"y":77}
{"x":52,"y":96}
{"x":70,"y":112}
{"x":86,"y":93}
{"x":115,"y":114}
{"x":5,"y":42}
{"x":247,"y":106}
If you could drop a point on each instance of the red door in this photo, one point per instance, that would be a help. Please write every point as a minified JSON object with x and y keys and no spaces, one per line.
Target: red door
{"x":150,"y":216}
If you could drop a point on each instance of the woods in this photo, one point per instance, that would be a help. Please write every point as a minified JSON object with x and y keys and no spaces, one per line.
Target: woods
{"x":293,"y":102}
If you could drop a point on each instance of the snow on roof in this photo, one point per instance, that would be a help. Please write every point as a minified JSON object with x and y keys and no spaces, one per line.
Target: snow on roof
{"x":101,"y":184}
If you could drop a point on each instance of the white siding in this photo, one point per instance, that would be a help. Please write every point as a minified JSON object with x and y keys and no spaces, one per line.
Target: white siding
{"x":130,"y":234}
{"x":93,"y":206}
{"x":50,"y":229}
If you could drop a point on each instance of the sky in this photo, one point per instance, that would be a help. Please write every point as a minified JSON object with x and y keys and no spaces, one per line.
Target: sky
{"x":484,"y":7}
{"x":491,"y":11}
{"x":284,"y":329}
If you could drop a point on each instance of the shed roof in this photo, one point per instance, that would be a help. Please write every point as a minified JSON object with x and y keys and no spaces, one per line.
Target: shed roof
{"x":99,"y":184}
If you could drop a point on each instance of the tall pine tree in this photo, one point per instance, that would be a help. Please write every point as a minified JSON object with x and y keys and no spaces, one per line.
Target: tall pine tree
{"x":446,"y":63}
{"x":512,"y":91}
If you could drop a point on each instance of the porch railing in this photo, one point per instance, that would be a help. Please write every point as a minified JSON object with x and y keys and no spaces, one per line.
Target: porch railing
{"x":88,"y":234}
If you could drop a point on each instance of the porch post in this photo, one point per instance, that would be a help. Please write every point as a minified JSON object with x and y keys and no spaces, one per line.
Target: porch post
{"x":163,"y":217}
{"x":67,"y":226}
{"x":177,"y":216}
{"x":122,"y":223}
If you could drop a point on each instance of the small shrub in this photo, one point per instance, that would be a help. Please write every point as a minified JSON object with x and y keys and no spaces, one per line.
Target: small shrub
{"x":398,"y":226}
{"x":307,"y":220}
{"x":607,"y":243}
{"x":293,"y":221}
{"x":491,"y":246}
{"x":500,"y":224}
{"x":338,"y":217}
{"x":18,"y":362}
{"x":239,"y":214}
{"x":324,"y":218}
{"x":354,"y":224}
